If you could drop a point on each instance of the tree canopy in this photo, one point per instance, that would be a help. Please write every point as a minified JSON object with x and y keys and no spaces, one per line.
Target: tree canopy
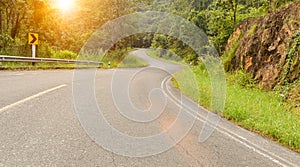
{"x":69,"y":29}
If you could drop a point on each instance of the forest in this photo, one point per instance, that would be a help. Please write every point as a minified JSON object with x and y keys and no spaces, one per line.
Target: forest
{"x":63,"y":30}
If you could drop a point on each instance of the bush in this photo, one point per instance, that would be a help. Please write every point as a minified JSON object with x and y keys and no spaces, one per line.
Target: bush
{"x":243,"y":79}
{"x":64,"y":54}
{"x":131,"y":61}
{"x":115,"y":55}
{"x":13,"y":47}
{"x":5,"y":41}
{"x":44,"y":50}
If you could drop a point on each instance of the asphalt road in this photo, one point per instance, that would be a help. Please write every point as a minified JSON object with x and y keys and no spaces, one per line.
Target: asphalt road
{"x":39,"y":125}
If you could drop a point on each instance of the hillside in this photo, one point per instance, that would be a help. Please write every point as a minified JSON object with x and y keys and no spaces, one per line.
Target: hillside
{"x":267,"y":47}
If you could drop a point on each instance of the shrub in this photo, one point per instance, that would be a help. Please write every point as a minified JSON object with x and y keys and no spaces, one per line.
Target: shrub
{"x":64,"y":54}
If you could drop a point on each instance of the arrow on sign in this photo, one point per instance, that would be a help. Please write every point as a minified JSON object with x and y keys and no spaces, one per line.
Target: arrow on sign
{"x":33,"y":38}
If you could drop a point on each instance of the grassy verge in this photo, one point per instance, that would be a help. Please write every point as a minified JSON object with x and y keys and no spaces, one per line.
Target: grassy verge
{"x":129,"y":61}
{"x":169,"y":57}
{"x":132,"y":61}
{"x":248,"y":106}
{"x":39,"y":66}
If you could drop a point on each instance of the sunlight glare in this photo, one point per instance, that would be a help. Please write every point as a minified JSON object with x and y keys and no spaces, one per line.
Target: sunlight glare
{"x":64,"y":4}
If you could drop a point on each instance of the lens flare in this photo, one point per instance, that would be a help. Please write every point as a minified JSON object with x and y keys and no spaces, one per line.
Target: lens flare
{"x":64,"y":4}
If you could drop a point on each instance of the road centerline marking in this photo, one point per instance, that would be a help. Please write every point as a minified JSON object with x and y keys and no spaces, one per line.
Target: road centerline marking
{"x":30,"y":98}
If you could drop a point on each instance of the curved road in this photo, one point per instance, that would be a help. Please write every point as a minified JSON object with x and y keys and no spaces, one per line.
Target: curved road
{"x":39,"y":125}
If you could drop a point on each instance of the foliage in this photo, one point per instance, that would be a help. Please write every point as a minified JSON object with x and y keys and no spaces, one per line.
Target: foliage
{"x":5,"y":41}
{"x":199,"y":18}
{"x":40,"y":66}
{"x":228,"y":56}
{"x":69,"y":30}
{"x":64,"y":54}
{"x":131,"y":61}
{"x":116,"y":55}
{"x":57,"y":29}
{"x":290,"y":56}
{"x":169,"y":57}
{"x":253,"y":108}
{"x":252,"y":30}
{"x":243,"y":79}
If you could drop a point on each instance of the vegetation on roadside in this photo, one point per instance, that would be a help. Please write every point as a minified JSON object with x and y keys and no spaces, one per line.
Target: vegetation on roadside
{"x":63,"y":32}
{"x":170,"y":57}
{"x":264,"y":112}
{"x":228,"y":56}
{"x":248,"y":106}
{"x":131,"y":61}
{"x":39,"y":66}
{"x":127,"y":61}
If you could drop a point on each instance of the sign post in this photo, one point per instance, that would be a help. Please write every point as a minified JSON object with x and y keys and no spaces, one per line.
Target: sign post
{"x":33,"y":51}
{"x":33,"y":40}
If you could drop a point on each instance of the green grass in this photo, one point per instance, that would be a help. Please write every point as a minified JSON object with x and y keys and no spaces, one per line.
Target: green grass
{"x":40,"y":66}
{"x":252,"y":30}
{"x":132,"y":61}
{"x":248,"y":106}
{"x":168,"y":58}
{"x":228,"y":56}
{"x":129,"y":61}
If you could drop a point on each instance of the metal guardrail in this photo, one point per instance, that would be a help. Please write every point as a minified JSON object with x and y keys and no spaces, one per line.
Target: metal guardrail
{"x":45,"y":60}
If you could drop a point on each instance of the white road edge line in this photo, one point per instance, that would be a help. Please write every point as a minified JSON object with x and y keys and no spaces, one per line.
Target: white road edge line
{"x":227,"y":132}
{"x":30,"y":98}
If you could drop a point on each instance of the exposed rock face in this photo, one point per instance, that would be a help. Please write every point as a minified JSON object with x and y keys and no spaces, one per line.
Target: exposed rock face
{"x":265,"y":44}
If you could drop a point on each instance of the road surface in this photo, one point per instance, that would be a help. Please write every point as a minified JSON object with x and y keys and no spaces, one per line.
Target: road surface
{"x":39,"y":125}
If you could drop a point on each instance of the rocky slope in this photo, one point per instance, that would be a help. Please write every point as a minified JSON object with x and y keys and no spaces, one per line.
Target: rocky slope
{"x":268,"y":47}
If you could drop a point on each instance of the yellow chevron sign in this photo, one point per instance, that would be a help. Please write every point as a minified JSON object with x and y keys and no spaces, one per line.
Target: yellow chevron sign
{"x":33,"y":39}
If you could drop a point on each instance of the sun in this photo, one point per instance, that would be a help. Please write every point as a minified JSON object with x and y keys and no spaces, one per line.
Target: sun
{"x":64,"y":4}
